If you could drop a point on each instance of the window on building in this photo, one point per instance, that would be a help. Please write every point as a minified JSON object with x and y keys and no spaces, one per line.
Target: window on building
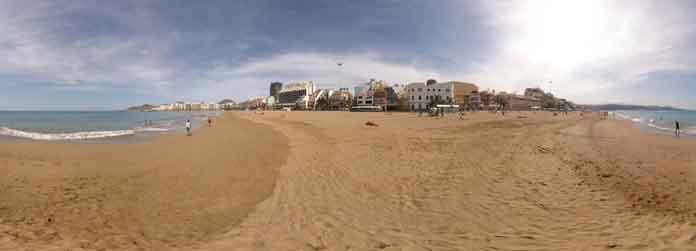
{"x":420,"y":89}
{"x":428,"y":89}
{"x":413,"y":97}
{"x":369,"y":102}
{"x":419,"y":97}
{"x":439,"y":90}
{"x":447,"y":90}
{"x":427,"y":97}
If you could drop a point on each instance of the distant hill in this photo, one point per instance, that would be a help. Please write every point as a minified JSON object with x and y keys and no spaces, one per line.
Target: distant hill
{"x":613,"y":107}
{"x":141,"y":108}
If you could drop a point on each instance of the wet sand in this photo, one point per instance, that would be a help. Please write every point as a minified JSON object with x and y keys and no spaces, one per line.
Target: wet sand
{"x":174,"y":191}
{"x":526,"y":181}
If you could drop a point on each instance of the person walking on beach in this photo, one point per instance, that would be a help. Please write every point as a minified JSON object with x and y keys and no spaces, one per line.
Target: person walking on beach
{"x":210,"y":122}
{"x":188,"y":127}
{"x":677,"y":131}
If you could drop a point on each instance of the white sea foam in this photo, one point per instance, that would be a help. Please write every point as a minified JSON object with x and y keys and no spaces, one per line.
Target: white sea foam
{"x":152,"y":129}
{"x":63,"y":136}
{"x":621,"y":115}
{"x":690,"y":131}
{"x":660,"y":127}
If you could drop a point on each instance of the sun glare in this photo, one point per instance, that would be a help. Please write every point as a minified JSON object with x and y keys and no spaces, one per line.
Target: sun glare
{"x":564,"y":35}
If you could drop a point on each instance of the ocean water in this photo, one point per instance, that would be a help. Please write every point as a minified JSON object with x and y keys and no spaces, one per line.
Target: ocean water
{"x":661,"y":121}
{"x":81,"y":125}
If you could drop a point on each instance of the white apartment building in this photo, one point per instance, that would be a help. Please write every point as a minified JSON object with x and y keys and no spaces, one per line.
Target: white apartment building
{"x":421,"y":95}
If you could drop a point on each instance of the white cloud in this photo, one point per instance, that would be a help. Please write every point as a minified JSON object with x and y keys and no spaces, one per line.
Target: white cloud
{"x":253,"y":78}
{"x":586,"y":48}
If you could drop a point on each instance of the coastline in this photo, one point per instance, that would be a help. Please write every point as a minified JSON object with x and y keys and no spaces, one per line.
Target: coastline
{"x":485,"y":182}
{"x":654,"y":124}
{"x":121,"y":132}
{"x":169,"y":192}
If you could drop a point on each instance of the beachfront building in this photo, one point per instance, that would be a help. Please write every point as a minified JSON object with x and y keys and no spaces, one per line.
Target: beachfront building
{"x":163,"y":108}
{"x":425,"y":95}
{"x":340,"y":99}
{"x":253,"y":103}
{"x":331,"y":99}
{"x":474,"y":102}
{"x":516,"y":102}
{"x":362,"y":97}
{"x":205,"y":106}
{"x":375,"y":93}
{"x":179,"y":106}
{"x":296,"y":95}
{"x":416,"y":96}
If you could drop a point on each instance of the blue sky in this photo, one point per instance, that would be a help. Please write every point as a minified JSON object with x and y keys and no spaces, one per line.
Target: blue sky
{"x":111,"y":54}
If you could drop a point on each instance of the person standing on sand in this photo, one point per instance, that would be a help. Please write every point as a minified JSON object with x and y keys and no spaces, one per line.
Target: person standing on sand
{"x":677,"y":131}
{"x":210,"y":122}
{"x":188,"y":127}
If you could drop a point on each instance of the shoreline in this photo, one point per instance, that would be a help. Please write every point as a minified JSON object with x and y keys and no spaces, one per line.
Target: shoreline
{"x":172,"y":191}
{"x":522,"y":181}
{"x":122,"y":136}
{"x":687,"y":131}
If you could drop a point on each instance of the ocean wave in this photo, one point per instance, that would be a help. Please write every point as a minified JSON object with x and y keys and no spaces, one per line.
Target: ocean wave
{"x":660,"y":127}
{"x":4,"y":131}
{"x":152,"y":129}
{"x":690,"y":131}
{"x":621,"y":115}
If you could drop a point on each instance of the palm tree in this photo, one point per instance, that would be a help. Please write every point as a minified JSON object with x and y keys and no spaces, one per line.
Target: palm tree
{"x":322,"y":104}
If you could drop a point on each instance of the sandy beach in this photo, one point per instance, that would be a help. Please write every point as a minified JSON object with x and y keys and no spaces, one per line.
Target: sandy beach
{"x":171,"y":192}
{"x":327,"y":181}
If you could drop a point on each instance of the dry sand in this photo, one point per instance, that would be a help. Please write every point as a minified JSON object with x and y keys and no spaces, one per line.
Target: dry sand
{"x":174,"y":191}
{"x":410,"y":183}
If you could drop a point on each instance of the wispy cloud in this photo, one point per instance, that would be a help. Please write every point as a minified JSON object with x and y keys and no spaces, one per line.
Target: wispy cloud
{"x":157,"y":51}
{"x":588,"y":50}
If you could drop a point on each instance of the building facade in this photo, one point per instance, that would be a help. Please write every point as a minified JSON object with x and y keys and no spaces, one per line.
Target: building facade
{"x":296,"y":95}
{"x":521,"y":103}
{"x":423,"y":96}
{"x":375,"y":93}
{"x":253,"y":103}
